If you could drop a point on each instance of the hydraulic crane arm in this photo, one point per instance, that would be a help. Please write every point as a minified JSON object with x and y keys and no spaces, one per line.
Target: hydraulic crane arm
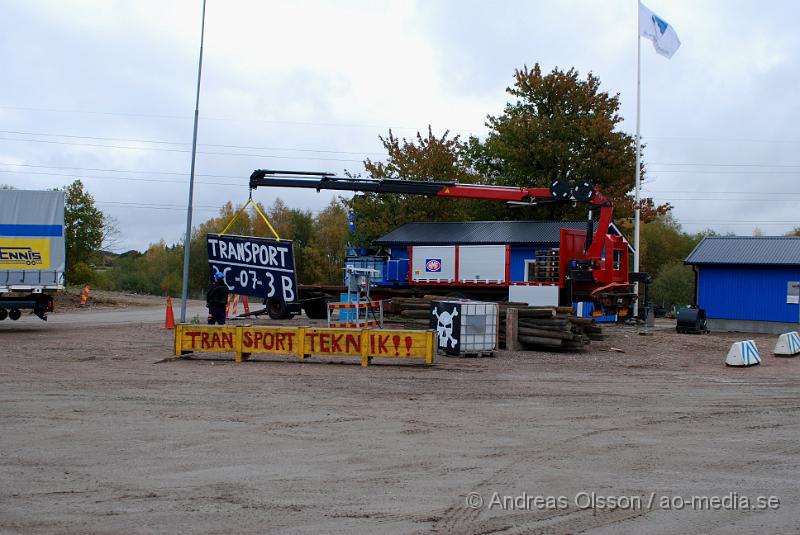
{"x":559,"y":191}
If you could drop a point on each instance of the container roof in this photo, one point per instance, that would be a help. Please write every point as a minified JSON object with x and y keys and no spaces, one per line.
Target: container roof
{"x":482,"y":233}
{"x":747,"y":250}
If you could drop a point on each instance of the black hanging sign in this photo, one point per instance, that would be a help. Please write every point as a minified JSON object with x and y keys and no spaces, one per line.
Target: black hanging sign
{"x":254,"y":266}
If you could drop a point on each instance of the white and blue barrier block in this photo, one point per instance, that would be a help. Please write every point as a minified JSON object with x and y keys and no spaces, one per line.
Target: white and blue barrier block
{"x":788,"y":344}
{"x":744,"y":353}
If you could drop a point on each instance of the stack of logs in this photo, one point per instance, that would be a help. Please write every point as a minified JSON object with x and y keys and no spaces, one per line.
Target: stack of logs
{"x":550,"y":327}
{"x":413,"y":310}
{"x":542,"y":327}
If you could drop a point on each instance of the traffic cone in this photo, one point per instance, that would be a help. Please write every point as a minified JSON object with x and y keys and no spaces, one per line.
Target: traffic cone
{"x":169,"y":321}
{"x":233,"y":306}
{"x":84,"y":295}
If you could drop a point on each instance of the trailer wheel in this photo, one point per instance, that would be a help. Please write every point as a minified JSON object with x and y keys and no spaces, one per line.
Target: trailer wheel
{"x":15,"y":314}
{"x":277,"y":310}
{"x":3,"y":314}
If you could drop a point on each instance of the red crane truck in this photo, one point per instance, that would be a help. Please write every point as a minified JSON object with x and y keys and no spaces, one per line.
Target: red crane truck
{"x":592,"y":263}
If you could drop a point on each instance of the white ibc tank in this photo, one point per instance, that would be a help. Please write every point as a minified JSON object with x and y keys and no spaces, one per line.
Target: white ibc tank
{"x":744,"y":353}
{"x":788,"y":344}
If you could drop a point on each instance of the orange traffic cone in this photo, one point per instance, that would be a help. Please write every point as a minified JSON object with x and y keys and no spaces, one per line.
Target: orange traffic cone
{"x":169,"y":321}
{"x":233,"y":306}
{"x":84,"y":295}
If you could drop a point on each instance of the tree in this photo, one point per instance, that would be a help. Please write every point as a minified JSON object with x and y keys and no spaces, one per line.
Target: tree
{"x":794,"y":232}
{"x":431,"y":158}
{"x":84,"y":230}
{"x":325,"y":253}
{"x":674,"y":286}
{"x":559,"y":126}
{"x":663,"y":243}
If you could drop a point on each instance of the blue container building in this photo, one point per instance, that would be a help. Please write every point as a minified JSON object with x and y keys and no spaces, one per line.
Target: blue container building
{"x":748,"y":283}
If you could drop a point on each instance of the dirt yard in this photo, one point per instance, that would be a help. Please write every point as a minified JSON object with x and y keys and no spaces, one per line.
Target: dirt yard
{"x":97,"y":437}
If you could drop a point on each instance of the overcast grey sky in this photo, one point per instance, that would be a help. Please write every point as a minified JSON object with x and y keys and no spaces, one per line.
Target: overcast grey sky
{"x":104,"y":91}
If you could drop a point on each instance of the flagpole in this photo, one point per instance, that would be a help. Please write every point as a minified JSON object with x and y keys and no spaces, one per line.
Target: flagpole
{"x":188,"y":238}
{"x":638,"y":155}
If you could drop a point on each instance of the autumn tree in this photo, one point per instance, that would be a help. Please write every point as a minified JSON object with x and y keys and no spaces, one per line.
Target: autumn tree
{"x":325,"y":253}
{"x":663,"y":244}
{"x":85,"y":228}
{"x":560,"y":126}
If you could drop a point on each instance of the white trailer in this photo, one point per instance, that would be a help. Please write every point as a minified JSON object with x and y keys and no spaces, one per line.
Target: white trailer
{"x":32,"y":253}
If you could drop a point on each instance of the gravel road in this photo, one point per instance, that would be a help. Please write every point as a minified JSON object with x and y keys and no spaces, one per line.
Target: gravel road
{"x":97,"y":437}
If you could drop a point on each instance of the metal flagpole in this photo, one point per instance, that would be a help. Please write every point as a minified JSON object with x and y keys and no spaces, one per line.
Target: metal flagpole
{"x":188,"y":238}
{"x":638,"y":155}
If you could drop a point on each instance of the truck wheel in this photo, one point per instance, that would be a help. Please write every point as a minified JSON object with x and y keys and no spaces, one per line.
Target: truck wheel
{"x":3,"y":314}
{"x":277,"y":310}
{"x":15,"y":314}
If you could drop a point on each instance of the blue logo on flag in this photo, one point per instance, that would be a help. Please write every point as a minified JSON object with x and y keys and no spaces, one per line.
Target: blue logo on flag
{"x":662,"y":25}
{"x":433,"y":265}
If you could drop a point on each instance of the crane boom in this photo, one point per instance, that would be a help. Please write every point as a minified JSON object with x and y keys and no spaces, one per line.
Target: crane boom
{"x":559,"y":191}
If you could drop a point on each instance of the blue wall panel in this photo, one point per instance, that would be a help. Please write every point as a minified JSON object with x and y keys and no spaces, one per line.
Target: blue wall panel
{"x":398,"y":252}
{"x":518,"y":256}
{"x":747,"y":292}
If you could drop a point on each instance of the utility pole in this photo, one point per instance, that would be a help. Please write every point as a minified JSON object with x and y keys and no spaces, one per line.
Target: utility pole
{"x":636,"y":223}
{"x":188,"y":238}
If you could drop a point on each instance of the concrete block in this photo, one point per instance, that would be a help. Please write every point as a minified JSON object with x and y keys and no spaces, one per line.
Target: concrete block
{"x":788,"y":344}
{"x":744,"y":353}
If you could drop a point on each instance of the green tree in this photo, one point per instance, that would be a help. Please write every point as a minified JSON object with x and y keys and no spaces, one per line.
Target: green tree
{"x":663,"y":243}
{"x":84,"y":231}
{"x":326,"y":250}
{"x":559,"y":126}
{"x":674,"y":286}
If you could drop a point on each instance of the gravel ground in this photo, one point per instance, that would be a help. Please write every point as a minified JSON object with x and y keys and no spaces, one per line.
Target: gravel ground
{"x":97,"y":437}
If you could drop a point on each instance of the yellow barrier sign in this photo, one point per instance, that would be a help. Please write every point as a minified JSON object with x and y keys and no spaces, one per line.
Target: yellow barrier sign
{"x":305,"y":341}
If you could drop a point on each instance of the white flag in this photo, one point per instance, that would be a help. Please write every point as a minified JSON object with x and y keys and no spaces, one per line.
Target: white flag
{"x":664,"y":38}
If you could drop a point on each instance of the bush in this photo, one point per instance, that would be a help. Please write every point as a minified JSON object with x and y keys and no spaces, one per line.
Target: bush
{"x":80,"y":274}
{"x":674,"y":285}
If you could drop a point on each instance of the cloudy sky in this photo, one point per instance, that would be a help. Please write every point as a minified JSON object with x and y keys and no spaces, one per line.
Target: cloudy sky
{"x":104,"y":91}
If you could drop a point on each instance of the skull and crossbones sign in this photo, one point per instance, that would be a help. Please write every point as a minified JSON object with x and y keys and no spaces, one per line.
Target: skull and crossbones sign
{"x":444,"y":327}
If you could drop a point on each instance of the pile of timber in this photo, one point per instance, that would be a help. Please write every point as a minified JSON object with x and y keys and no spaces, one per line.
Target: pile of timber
{"x":537,"y":327}
{"x":413,"y":310}
{"x":547,"y":327}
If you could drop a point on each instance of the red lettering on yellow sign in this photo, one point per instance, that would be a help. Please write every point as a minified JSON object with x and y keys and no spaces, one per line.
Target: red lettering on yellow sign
{"x":332,"y":343}
{"x":268,"y":340}
{"x":213,"y":340}
{"x":387,"y":344}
